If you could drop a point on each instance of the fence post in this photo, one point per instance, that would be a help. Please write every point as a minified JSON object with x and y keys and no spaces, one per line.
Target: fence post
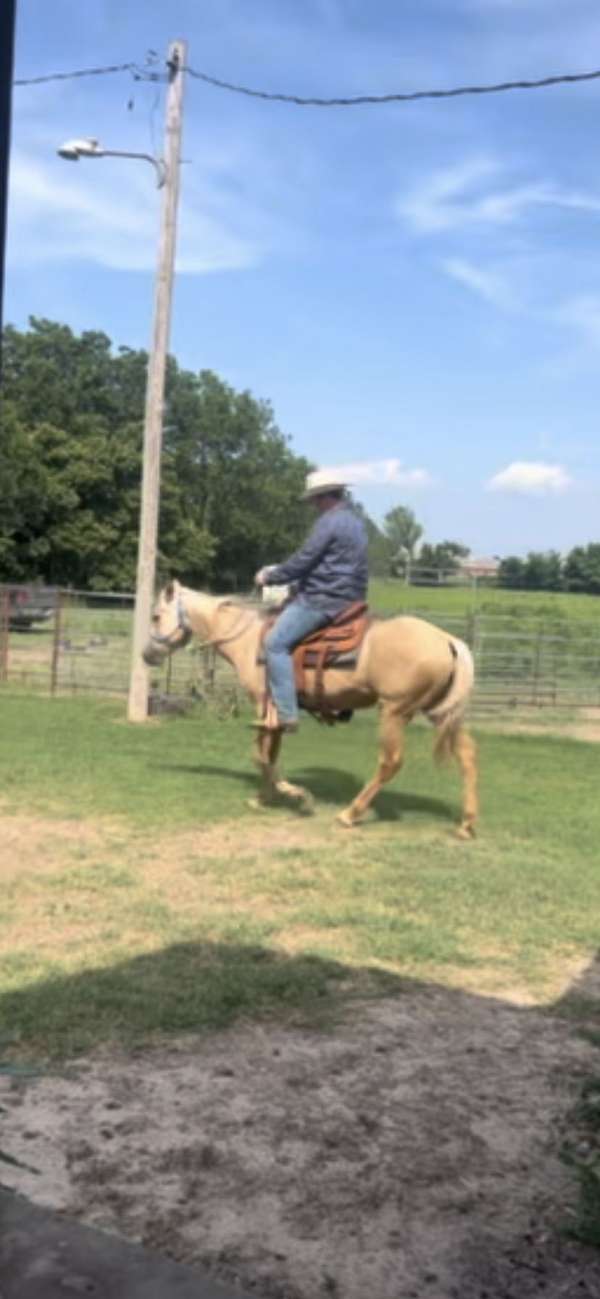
{"x":209,"y":656}
{"x":537,"y":665}
{"x":58,"y":606}
{"x":169,"y":674}
{"x":4,"y":633}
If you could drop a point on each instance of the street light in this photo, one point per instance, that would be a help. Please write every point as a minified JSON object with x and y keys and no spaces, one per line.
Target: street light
{"x":73,"y":150}
{"x":168,"y":180}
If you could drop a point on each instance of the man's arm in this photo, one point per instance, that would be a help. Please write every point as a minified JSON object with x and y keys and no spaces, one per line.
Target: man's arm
{"x":303,"y":560}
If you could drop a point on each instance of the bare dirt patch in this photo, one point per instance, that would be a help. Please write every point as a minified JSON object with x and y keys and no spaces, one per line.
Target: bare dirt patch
{"x":581,"y":724}
{"x":412,"y":1154}
{"x":43,"y":840}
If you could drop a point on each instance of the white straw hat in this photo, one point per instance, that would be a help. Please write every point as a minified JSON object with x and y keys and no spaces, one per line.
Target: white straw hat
{"x":322,"y":481}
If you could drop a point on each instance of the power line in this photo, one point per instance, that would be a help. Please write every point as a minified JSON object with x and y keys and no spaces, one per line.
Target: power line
{"x":407,"y":97}
{"x":145,"y":74}
{"x":140,"y":74}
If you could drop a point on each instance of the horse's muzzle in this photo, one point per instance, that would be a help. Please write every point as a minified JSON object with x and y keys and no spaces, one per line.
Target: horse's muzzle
{"x":154,"y":654}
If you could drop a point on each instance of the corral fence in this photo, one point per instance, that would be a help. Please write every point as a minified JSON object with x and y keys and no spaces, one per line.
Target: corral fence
{"x":79,"y":642}
{"x":63,"y":641}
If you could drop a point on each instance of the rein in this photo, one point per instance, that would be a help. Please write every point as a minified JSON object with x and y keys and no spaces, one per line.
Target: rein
{"x":216,"y":641}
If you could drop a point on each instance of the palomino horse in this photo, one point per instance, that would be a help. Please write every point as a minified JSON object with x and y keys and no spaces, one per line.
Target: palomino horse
{"x":405,"y":665}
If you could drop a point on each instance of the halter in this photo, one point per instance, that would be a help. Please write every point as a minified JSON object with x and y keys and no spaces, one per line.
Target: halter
{"x":184,"y":627}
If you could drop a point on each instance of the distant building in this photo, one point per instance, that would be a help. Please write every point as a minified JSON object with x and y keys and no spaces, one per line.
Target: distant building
{"x":479,"y":568}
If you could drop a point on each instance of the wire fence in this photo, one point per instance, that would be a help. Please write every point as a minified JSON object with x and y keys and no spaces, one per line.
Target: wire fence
{"x":70,"y":642}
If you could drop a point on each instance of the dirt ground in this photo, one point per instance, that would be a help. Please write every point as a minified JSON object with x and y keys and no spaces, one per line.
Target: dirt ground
{"x":411,"y":1154}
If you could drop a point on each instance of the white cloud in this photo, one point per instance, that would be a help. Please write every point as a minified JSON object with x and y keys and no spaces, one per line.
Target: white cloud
{"x":486,"y":283}
{"x":530,"y":478}
{"x":382,"y":473}
{"x":458,"y":196}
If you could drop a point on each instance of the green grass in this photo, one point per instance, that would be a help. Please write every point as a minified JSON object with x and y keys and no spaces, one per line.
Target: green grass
{"x":144,"y":897}
{"x":388,"y":595}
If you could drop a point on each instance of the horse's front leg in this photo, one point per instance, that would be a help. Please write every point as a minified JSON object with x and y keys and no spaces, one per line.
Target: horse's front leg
{"x":271,"y":786}
{"x":268,"y":744}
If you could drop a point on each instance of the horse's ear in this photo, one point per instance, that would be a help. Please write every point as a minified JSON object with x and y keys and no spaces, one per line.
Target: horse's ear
{"x":171,"y":589}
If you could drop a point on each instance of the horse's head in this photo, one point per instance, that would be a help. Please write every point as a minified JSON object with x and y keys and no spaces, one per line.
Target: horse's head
{"x":171,"y":628}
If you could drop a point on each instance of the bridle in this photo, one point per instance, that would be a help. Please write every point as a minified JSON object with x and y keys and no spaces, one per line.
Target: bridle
{"x":184,"y":632}
{"x":182,"y":626}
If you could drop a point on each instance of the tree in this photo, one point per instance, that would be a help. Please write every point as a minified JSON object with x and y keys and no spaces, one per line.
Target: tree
{"x":542,"y":571}
{"x":379,"y":551}
{"x":581,"y":570}
{"x":510,"y":572}
{"x":70,"y":468}
{"x":441,"y":558}
{"x":402,"y":532}
{"x":238,"y":477}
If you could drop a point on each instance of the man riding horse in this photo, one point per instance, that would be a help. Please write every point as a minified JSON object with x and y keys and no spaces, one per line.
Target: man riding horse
{"x":329,"y":573}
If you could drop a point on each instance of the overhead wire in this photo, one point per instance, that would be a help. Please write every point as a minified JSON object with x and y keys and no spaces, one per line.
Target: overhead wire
{"x":67,"y":76}
{"x":396,"y":97}
{"x":146,"y":74}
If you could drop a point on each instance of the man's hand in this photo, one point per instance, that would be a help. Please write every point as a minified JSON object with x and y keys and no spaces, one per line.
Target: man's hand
{"x":262,"y":577}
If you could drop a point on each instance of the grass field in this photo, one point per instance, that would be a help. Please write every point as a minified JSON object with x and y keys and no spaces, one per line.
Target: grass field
{"x":389,"y":596}
{"x":142,"y":896}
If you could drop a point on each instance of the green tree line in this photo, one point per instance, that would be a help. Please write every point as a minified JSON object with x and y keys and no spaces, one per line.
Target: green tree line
{"x":70,"y":468}
{"x":231,"y":487}
{"x":579,"y":570}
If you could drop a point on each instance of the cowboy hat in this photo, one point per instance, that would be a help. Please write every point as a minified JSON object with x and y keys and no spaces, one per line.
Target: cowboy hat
{"x":322,"y":481}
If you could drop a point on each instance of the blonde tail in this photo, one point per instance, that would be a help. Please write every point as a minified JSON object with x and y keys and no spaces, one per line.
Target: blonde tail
{"x":448,"y":715}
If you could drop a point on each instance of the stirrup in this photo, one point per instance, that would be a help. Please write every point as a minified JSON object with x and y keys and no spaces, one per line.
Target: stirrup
{"x":263,"y":724}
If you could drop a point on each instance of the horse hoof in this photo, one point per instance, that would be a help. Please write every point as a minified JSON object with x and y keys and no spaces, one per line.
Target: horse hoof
{"x":256,"y":805}
{"x":344,"y":819}
{"x":466,"y":833}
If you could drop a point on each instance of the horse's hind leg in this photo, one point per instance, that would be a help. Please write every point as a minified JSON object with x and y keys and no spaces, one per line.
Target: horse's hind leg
{"x":465,"y":750}
{"x":391,"y":754}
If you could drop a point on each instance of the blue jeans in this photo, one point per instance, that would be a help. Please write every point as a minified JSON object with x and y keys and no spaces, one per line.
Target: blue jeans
{"x":293,"y":624}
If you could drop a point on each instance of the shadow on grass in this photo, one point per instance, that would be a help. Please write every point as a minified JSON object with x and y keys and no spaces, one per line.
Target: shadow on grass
{"x":332,"y":786}
{"x":329,"y":785}
{"x":198,"y":986}
{"x":185,"y":988}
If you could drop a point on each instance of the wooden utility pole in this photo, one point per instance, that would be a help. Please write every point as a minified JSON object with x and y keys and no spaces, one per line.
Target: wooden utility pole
{"x":153,"y":421}
{"x":7,"y":42}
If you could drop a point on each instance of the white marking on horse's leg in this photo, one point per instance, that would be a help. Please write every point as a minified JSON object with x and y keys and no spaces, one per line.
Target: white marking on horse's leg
{"x":391,"y":755}
{"x":297,"y":793}
{"x":344,"y":818}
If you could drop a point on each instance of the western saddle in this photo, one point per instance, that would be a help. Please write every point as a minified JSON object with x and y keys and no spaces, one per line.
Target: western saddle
{"x":335,"y":645}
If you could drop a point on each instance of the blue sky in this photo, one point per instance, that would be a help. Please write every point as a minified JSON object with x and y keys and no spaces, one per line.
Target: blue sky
{"x":415,"y":288}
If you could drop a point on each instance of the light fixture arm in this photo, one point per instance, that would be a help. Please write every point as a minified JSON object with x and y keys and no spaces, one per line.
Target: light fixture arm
{"x":158,"y":163}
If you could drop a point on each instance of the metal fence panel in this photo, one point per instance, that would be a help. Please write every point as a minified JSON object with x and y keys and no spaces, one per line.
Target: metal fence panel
{"x":80,"y":642}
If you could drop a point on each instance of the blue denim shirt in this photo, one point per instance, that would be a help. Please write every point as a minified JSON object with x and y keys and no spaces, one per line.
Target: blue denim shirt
{"x":330,"y":569}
